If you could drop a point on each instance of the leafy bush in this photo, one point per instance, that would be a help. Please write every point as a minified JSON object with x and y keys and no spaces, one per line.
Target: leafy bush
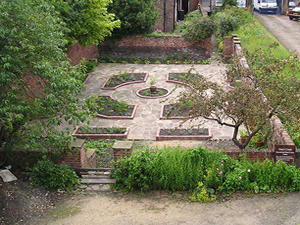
{"x":198,"y":29}
{"x":137,"y":17}
{"x":203,"y":171}
{"x":52,"y":176}
{"x":87,"y":21}
{"x":226,"y":24}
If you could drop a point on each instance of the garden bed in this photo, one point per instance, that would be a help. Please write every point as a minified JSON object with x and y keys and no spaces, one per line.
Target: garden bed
{"x":120,"y":80}
{"x":146,"y":93}
{"x":95,"y":132}
{"x":180,"y":78}
{"x":109,"y":108}
{"x":175,"y":111}
{"x":183,"y":134}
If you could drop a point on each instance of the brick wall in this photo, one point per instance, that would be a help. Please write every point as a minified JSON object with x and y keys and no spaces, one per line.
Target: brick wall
{"x":157,"y":48}
{"x":193,"y":5}
{"x":77,"y":52}
{"x":253,"y":155}
{"x":166,"y":21}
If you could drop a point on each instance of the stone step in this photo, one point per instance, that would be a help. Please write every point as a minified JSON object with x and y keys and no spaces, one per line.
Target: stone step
{"x":107,"y":173}
{"x":95,"y":176}
{"x":97,"y":181}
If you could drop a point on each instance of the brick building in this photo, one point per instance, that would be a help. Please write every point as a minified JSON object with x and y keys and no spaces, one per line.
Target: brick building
{"x":169,"y":11}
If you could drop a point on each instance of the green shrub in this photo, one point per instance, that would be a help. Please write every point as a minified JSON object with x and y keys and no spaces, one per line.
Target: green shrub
{"x":198,"y":29}
{"x":137,"y":17}
{"x":203,"y":172}
{"x":52,"y":176}
{"x":226,"y":24}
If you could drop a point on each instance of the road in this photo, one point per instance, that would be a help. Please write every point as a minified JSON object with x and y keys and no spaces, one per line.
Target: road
{"x":158,"y":208}
{"x":285,"y":30}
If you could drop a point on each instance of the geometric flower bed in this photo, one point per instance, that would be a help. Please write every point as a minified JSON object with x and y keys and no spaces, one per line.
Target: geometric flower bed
{"x":146,"y":93}
{"x":95,"y":132}
{"x":175,"y":111}
{"x":116,"y":81}
{"x":183,"y":134}
{"x":181,"y":78}
{"x":109,"y":108}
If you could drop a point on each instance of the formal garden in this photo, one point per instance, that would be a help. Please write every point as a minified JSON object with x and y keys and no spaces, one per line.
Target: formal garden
{"x":149,"y":88}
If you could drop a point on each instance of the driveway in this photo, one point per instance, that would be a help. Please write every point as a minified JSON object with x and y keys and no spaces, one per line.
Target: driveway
{"x":159,"y":208}
{"x":285,"y":30}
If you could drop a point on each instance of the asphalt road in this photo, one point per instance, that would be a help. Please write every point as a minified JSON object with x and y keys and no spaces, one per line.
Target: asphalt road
{"x":285,"y":30}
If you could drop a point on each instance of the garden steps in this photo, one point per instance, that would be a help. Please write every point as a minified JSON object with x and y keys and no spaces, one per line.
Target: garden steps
{"x":96,"y":177}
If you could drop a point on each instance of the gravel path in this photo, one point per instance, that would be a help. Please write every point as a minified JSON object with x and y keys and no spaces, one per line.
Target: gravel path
{"x":285,"y":30}
{"x":108,"y":208}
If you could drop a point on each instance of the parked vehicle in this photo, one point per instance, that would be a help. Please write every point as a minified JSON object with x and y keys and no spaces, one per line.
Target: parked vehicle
{"x":266,"y":6}
{"x":294,"y":13}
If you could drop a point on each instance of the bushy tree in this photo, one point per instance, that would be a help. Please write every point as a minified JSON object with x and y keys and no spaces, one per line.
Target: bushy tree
{"x":87,"y":20}
{"x":245,"y":104}
{"x":136,"y":16}
{"x":31,"y":54}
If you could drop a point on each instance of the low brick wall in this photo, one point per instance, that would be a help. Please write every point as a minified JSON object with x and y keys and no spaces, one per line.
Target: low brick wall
{"x":79,"y":158}
{"x":77,"y":52}
{"x":253,"y":155}
{"x":157,"y":48}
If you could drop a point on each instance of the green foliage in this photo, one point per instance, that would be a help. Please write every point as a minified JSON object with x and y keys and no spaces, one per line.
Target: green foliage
{"x":87,"y":66}
{"x":203,"y":194}
{"x":137,"y":17}
{"x":203,"y":171}
{"x":52,"y":176}
{"x":88,"y":21}
{"x":31,"y":51}
{"x":198,"y":29}
{"x":226,"y":24}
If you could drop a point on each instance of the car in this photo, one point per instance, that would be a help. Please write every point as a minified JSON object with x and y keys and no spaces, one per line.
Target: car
{"x":294,"y":13}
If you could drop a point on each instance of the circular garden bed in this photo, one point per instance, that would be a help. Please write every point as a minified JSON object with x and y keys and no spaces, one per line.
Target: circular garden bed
{"x":147,"y":93}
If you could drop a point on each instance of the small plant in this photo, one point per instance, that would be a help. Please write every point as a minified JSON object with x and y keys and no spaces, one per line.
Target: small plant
{"x":52,"y":176}
{"x":203,"y":194}
{"x":152,"y":81}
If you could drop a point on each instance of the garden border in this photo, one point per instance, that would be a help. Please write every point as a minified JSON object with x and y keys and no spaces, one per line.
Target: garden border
{"x":186,"y":137}
{"x":118,"y":117}
{"x":100,"y":136}
{"x":176,"y":82}
{"x":151,"y":97}
{"x":123,"y":84}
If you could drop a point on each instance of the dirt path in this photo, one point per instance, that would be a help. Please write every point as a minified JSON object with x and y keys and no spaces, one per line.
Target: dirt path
{"x":285,"y":30}
{"x":107,"y":208}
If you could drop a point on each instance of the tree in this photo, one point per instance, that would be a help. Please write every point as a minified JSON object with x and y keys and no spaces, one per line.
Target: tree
{"x":245,"y":104}
{"x":31,"y":54}
{"x":136,"y":16}
{"x":87,"y":20}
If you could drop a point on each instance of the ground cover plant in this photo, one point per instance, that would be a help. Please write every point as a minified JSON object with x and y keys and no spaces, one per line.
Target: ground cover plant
{"x":171,"y":59}
{"x":107,"y":106}
{"x":98,"y":130}
{"x":51,"y":176}
{"x":204,"y":173}
{"x":122,"y":78}
{"x":104,"y":151}
{"x":183,"y":77}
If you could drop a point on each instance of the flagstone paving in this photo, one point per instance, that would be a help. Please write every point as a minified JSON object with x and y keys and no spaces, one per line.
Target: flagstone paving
{"x":146,"y":121}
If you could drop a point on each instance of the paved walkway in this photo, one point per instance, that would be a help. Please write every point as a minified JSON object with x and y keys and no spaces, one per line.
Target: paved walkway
{"x":285,"y":30}
{"x":146,"y":121}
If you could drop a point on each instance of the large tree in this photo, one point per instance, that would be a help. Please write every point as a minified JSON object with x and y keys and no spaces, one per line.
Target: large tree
{"x":36,"y":78}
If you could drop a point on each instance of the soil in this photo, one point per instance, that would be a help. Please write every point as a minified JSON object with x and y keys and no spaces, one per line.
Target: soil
{"x":20,"y":202}
{"x":124,"y":78}
{"x":182,"y":77}
{"x":174,"y":110}
{"x":93,"y":130}
{"x":110,"y":107}
{"x":184,"y":132}
{"x":147,"y":92}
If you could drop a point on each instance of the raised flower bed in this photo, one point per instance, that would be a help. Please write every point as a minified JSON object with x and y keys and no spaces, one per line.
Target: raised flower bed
{"x":181,"y":78}
{"x":175,"y":111}
{"x":95,"y":132}
{"x":183,"y":134}
{"x":146,"y":93}
{"x":120,"y":80}
{"x":109,"y":108}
